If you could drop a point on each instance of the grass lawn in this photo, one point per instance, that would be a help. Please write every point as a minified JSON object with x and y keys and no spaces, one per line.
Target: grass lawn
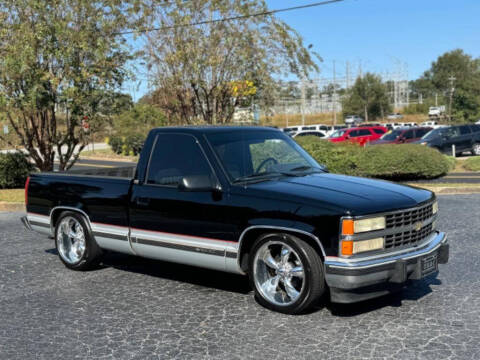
{"x":472,"y":163}
{"x":12,"y":195}
{"x":106,"y":154}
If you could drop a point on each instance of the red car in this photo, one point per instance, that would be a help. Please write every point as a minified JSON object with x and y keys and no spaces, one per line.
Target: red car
{"x":402,"y":136}
{"x":360,"y":135}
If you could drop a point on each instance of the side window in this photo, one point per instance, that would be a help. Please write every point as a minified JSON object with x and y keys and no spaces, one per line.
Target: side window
{"x":408,"y":134}
{"x":379,"y":131}
{"x":354,"y":133}
{"x":364,"y":132}
{"x":176,"y":156}
{"x":464,"y":130}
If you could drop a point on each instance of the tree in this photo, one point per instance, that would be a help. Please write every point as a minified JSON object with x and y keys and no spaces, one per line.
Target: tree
{"x":368,"y":98}
{"x":466,"y":71}
{"x":57,"y":61}
{"x":197,"y":68}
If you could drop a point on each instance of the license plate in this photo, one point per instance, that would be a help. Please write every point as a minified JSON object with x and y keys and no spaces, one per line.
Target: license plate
{"x":429,"y":264}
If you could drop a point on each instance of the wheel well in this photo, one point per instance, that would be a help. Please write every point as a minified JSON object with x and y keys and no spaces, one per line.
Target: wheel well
{"x":250,"y":236}
{"x":56,"y":213}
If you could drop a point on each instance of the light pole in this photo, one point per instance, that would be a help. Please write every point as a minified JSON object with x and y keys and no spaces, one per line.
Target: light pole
{"x":452,"y":89}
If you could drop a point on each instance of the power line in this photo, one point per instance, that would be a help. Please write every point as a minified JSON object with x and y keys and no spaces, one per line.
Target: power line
{"x":239,"y":17}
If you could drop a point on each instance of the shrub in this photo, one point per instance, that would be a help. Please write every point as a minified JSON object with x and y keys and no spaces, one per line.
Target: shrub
{"x":392,"y":162}
{"x":14,"y":170}
{"x":134,"y":144}
{"x":116,"y":143}
{"x":472,"y":164}
{"x":127,"y":145}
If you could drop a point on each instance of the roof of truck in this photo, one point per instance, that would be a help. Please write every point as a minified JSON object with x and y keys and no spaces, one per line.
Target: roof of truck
{"x":212,"y":128}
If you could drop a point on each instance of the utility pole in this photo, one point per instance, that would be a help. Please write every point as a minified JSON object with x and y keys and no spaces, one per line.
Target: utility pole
{"x":452,"y":89}
{"x":334,"y":95}
{"x":348,"y":74}
{"x":302,"y":89}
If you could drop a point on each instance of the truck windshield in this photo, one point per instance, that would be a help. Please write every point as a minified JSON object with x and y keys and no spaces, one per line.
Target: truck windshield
{"x":260,"y":154}
{"x":432,"y":134}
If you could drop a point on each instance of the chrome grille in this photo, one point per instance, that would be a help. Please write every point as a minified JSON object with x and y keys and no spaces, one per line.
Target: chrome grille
{"x":408,"y":238}
{"x":409,"y":217}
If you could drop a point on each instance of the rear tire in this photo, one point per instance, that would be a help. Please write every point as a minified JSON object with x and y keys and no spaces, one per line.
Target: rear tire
{"x":76,"y":247}
{"x":286,"y":273}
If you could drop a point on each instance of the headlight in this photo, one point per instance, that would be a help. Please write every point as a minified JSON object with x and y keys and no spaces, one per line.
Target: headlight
{"x":354,"y":247}
{"x":435,"y":207}
{"x":423,"y":143}
{"x":350,"y":226}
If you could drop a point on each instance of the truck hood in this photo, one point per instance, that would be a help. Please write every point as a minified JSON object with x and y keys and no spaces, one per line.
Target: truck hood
{"x":348,"y":194}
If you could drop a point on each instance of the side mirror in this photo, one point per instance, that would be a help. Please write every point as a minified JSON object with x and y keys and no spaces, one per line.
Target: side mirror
{"x":198,"y":183}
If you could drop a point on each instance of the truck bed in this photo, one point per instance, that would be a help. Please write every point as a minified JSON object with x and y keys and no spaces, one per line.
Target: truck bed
{"x":102,"y":194}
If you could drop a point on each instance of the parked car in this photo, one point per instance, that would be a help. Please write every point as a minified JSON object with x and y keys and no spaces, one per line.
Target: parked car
{"x":245,"y":200}
{"x":432,"y":124}
{"x":394,"y":116}
{"x":353,"y":120}
{"x":333,"y":128}
{"x":401,"y":136}
{"x":478,"y":122}
{"x":291,"y":129}
{"x":369,"y":124}
{"x":409,"y":124}
{"x":436,"y":111}
{"x":320,"y":134}
{"x":464,"y":137}
{"x":360,"y":135}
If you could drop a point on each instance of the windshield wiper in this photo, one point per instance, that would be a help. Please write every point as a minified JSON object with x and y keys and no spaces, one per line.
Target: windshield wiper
{"x":304,"y":168}
{"x":256,"y":177}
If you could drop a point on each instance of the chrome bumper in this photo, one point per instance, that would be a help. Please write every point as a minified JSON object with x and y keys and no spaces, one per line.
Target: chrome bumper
{"x":353,"y":280}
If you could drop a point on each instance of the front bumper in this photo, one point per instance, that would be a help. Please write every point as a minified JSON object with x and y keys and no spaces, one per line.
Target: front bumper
{"x":357,"y":280}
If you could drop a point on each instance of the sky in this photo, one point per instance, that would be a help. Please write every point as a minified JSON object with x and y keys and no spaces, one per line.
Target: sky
{"x":379,"y":35}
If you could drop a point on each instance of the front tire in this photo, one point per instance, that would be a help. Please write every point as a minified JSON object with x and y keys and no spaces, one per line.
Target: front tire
{"x":286,"y":273}
{"x":476,"y":149}
{"x":76,"y":247}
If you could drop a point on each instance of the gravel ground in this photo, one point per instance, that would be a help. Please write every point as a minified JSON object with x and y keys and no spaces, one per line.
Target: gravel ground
{"x":140,"y":309}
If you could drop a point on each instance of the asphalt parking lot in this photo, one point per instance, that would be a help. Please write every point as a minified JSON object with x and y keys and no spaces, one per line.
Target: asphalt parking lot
{"x":139,"y":309}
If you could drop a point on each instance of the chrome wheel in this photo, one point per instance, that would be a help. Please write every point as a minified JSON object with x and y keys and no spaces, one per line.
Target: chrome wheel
{"x":278,"y":273}
{"x":70,"y":240}
{"x":476,"y":149}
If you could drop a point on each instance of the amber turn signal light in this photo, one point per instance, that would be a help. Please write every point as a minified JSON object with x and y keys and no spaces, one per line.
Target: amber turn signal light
{"x":347,"y":248}
{"x":347,"y":227}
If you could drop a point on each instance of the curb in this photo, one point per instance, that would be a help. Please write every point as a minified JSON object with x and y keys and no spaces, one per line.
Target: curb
{"x":448,"y":190}
{"x":11,"y":206}
{"x":99,"y":158}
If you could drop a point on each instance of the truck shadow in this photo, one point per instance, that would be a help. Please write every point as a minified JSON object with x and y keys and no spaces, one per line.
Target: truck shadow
{"x":239,"y":284}
{"x":178,"y":272}
{"x":414,"y":291}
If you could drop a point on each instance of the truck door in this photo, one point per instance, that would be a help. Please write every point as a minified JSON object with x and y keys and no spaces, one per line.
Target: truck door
{"x":465,"y":140}
{"x":169,"y":222}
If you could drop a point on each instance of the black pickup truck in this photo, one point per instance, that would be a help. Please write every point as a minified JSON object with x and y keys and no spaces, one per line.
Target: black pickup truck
{"x":246,"y":200}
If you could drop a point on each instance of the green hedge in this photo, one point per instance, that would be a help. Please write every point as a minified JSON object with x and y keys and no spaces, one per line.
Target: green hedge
{"x":472,"y":163}
{"x":127,"y":145}
{"x":392,"y":162}
{"x":14,"y":170}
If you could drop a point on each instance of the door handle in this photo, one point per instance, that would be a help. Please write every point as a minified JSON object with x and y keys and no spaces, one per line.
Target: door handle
{"x":142,"y":201}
